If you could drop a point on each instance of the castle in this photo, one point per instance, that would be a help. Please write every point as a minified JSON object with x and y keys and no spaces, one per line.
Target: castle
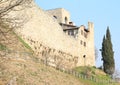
{"x":55,"y":39}
{"x":84,"y":36}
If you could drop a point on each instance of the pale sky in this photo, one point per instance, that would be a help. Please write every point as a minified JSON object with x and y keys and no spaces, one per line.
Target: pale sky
{"x":102,"y":13}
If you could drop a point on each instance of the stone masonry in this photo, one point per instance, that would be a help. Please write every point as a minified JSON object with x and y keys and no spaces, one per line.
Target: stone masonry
{"x":46,"y":37}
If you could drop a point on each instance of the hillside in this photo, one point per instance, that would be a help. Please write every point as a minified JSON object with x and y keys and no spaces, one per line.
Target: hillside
{"x":19,"y":65}
{"x":31,"y":72}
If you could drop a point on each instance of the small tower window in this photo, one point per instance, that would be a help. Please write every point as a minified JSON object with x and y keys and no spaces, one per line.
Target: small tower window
{"x":55,"y":17}
{"x":84,"y":56}
{"x":81,"y":42}
{"x":69,"y":32}
{"x":66,"y":20}
{"x":85,"y":35}
{"x":85,"y":44}
{"x":81,"y":32}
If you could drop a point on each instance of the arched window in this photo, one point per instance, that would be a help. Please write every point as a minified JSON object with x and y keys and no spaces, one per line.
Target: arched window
{"x":66,"y":20}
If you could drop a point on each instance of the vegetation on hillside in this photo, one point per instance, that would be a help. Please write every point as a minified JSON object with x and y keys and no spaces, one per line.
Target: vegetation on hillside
{"x":23,"y":42}
{"x":19,"y":66}
{"x":94,"y":76}
{"x":27,"y":69}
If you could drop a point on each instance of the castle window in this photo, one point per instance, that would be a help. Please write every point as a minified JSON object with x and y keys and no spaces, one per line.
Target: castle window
{"x":85,"y":35}
{"x":68,"y":32}
{"x":55,"y":17}
{"x":66,"y":20}
{"x":85,"y":44}
{"x":84,"y":56}
{"x":81,"y":42}
{"x":81,"y":32}
{"x":71,"y":32}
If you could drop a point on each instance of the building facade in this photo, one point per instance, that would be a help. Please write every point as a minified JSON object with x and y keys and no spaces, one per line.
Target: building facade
{"x":84,"y":36}
{"x":54,"y":38}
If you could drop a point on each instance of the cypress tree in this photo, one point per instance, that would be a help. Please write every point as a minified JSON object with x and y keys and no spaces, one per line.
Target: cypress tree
{"x":108,"y":54}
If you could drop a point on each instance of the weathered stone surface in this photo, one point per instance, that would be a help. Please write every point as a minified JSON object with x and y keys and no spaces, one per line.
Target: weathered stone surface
{"x":47,"y":39}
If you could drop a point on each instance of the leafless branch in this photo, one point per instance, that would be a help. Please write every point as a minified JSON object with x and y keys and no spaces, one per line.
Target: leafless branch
{"x":9,"y":23}
{"x":10,"y":5}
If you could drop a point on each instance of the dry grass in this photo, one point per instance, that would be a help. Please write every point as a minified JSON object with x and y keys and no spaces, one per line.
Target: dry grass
{"x":33,"y":73}
{"x":27,"y":70}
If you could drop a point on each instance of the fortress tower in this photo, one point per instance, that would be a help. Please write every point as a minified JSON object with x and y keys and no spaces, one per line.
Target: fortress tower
{"x":84,"y":36}
{"x":86,"y":42}
{"x":60,"y":14}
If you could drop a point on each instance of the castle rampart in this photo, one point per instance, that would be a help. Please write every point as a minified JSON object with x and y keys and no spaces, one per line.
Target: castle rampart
{"x":48,"y":41}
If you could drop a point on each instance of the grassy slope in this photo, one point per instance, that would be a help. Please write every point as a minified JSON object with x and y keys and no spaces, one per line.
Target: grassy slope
{"x":32,"y":72}
{"x":99,"y":77}
{"x":27,"y":69}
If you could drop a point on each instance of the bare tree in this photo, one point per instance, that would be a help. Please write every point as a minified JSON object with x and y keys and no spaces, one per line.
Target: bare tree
{"x":8,"y":23}
{"x":8,"y":5}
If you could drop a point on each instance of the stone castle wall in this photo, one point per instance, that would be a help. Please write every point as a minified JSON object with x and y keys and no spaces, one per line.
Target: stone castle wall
{"x":49,"y":42}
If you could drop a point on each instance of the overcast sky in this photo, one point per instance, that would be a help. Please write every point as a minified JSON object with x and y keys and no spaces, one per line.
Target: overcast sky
{"x":102,"y":13}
